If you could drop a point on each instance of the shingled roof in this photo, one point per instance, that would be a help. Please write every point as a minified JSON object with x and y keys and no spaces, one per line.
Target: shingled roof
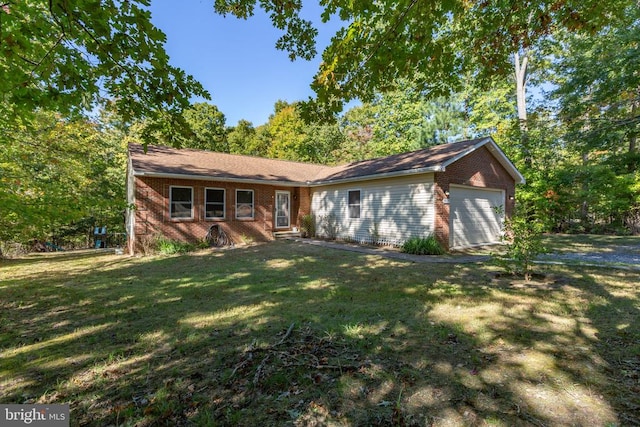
{"x":199,"y":164}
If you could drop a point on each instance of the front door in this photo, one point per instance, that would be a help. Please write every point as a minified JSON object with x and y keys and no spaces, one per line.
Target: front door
{"x":283,"y":209}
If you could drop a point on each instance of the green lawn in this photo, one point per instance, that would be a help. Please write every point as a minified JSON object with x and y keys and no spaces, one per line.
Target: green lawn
{"x":293,"y":334}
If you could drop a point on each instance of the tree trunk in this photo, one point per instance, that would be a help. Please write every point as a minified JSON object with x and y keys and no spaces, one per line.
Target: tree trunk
{"x":521,"y":76}
{"x":632,"y":164}
{"x":521,"y":99}
{"x":584,"y":208}
{"x":633,"y":147}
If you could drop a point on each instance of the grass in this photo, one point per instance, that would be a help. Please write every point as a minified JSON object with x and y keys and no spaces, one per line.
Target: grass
{"x":293,"y":334}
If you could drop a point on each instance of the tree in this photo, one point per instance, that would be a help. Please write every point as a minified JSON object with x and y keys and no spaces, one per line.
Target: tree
{"x":242,"y":138}
{"x":402,"y":120}
{"x":208,"y":126}
{"x":439,"y":42}
{"x":287,"y":132}
{"x":599,"y":87}
{"x":322,"y":143}
{"x":598,"y":95}
{"x":68,"y":56}
{"x":55,"y":173}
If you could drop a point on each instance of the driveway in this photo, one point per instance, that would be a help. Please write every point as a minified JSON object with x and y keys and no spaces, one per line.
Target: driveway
{"x":617,"y":256}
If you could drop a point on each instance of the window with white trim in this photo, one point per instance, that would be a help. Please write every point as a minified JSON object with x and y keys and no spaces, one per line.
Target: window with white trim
{"x":181,"y":202}
{"x":244,"y":204}
{"x":214,"y":203}
{"x":354,"y":203}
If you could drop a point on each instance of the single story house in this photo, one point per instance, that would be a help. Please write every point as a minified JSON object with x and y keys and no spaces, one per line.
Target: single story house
{"x":460,"y":192}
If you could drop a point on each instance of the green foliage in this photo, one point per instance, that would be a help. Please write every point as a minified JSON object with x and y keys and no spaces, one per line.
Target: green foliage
{"x":308,"y":225}
{"x":287,"y":136}
{"x":66,"y":55}
{"x":404,"y":39}
{"x":597,"y":86}
{"x":208,"y":126}
{"x":523,"y":238}
{"x":401,"y":120}
{"x":59,"y":178}
{"x":286,"y":130}
{"x":170,"y":247}
{"x":330,"y":225}
{"x":242,"y":139}
{"x":423,"y":246}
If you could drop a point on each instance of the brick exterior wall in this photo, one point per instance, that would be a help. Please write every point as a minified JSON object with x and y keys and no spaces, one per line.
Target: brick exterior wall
{"x":480,"y":169}
{"x":152,"y":216}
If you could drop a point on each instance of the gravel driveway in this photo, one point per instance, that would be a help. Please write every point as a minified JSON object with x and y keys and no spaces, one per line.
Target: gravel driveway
{"x":618,"y":254}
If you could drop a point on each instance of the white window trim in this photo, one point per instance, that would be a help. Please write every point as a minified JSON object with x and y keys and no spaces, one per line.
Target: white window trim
{"x":253,"y":204}
{"x":359,"y":204}
{"x":171,"y":203}
{"x":224,"y":204}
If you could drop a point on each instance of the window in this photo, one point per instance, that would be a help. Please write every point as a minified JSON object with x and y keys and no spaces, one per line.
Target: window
{"x":213,"y":203}
{"x":181,"y":202}
{"x":244,"y":204}
{"x":354,"y":203}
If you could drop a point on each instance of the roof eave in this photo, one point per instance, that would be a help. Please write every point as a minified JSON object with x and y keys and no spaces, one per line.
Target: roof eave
{"x":218,"y":178}
{"x":395,"y":174}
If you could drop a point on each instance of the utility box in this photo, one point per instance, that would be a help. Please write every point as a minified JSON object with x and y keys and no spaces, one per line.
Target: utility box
{"x":100,"y":237}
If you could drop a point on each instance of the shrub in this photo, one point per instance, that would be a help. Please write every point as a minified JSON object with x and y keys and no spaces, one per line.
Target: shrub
{"x":169,"y":247}
{"x":331,"y":226}
{"x":523,"y":238}
{"x":374,"y":232}
{"x":148,"y":244}
{"x":308,"y":226}
{"x":423,"y":246}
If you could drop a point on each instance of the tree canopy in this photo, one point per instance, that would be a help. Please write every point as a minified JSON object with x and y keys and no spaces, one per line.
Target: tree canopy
{"x":434,"y":43}
{"x":69,"y":56}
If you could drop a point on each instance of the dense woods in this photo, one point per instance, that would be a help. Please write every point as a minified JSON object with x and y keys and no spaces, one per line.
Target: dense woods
{"x":558,"y":88}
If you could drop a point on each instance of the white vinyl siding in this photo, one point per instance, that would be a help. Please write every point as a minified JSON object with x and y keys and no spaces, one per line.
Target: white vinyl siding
{"x":476,"y":216}
{"x":391,"y":210}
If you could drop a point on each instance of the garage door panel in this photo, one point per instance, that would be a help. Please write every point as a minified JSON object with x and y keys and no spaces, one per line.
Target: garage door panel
{"x":474,"y":217}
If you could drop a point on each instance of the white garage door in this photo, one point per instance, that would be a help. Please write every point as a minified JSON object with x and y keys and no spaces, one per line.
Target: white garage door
{"x":476,"y":216}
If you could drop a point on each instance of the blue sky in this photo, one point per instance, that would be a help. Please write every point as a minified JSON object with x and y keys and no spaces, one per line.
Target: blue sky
{"x":236,"y":60}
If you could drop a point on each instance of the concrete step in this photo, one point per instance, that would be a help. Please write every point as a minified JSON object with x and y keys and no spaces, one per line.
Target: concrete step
{"x":286,"y":234}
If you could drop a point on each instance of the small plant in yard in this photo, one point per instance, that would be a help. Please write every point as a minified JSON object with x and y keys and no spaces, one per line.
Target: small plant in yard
{"x":331,"y":226}
{"x":308,"y":226}
{"x":170,"y":247}
{"x":523,"y":238}
{"x":374,"y":232}
{"x":423,"y":246}
{"x":247,"y":239}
